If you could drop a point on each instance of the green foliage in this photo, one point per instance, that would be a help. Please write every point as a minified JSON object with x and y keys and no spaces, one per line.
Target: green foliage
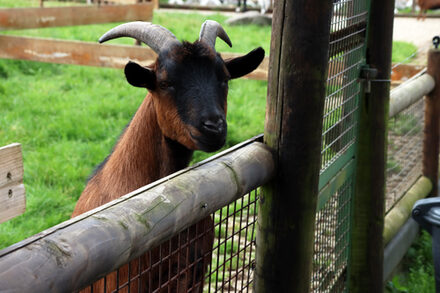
{"x":418,"y":269}
{"x":402,"y":52}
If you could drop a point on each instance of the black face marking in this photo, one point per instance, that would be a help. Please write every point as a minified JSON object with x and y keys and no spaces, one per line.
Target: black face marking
{"x":190,"y":80}
{"x":198,"y":85}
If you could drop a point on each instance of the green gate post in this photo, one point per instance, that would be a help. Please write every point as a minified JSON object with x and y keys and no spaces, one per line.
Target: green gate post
{"x":366,"y":261}
{"x":296,"y":92}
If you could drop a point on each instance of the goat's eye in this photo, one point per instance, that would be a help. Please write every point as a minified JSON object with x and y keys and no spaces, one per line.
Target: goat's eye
{"x":164,"y":85}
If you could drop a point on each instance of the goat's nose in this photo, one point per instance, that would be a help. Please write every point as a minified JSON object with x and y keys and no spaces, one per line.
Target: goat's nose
{"x":213,"y":126}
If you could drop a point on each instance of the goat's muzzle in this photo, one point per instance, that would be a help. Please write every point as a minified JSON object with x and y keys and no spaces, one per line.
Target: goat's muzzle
{"x":211,"y":135}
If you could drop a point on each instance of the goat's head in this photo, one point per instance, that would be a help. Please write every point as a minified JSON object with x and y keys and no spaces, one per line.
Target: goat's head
{"x":188,"y":82}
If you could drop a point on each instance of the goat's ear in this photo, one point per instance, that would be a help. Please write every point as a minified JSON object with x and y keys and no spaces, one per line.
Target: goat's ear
{"x":243,"y":65}
{"x":139,"y":76}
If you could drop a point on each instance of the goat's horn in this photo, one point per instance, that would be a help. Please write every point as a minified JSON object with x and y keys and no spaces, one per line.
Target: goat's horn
{"x":154,"y":36}
{"x":210,"y":31}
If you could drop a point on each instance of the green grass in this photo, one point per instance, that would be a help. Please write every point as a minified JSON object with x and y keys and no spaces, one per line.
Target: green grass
{"x":402,"y":52}
{"x":417,"y":271}
{"x":34,"y":3}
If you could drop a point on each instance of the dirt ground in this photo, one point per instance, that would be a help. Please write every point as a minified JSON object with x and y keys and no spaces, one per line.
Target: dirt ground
{"x":418,"y":32}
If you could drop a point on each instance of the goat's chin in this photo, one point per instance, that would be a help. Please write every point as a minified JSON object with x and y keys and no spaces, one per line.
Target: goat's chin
{"x":209,"y":144}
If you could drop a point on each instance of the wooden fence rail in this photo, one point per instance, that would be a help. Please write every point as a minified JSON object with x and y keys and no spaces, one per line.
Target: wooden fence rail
{"x":35,"y":17}
{"x":399,"y":229}
{"x":77,"y":252}
{"x":91,"y":54}
{"x":409,"y":93}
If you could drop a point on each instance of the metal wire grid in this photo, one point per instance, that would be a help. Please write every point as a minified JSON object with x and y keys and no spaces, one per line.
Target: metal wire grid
{"x":405,"y":149}
{"x":332,"y":229}
{"x":210,"y":256}
{"x":346,"y":57}
{"x":233,"y":252}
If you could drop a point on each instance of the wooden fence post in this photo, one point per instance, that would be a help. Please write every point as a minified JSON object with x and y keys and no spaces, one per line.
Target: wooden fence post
{"x":366,"y":254}
{"x":296,"y":92}
{"x":432,"y":121}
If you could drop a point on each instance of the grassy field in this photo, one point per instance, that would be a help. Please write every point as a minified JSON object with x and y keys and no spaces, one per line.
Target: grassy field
{"x":67,"y":118}
{"x":403,"y":52}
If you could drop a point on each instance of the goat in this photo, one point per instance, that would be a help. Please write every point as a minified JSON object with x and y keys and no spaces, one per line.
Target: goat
{"x":184,"y":110}
{"x":425,"y":5}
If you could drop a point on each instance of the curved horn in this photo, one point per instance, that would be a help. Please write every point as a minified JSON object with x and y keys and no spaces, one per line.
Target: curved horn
{"x":153,"y":35}
{"x":210,"y":31}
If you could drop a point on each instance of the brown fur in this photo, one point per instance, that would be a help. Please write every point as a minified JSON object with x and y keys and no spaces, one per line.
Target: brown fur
{"x":425,"y":5}
{"x":157,"y":143}
{"x":142,"y":156}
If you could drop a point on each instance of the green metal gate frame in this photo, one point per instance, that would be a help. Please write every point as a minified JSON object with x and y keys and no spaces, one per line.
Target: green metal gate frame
{"x":337,"y":175}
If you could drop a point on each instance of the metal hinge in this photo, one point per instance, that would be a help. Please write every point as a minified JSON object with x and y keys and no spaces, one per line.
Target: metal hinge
{"x":366,"y":75}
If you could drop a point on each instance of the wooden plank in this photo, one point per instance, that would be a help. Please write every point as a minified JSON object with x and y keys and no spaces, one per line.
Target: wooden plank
{"x":366,"y":249}
{"x":72,"y":52}
{"x":103,"y":239}
{"x":12,"y":193}
{"x":91,"y":54}
{"x":12,"y":202}
{"x":35,"y":17}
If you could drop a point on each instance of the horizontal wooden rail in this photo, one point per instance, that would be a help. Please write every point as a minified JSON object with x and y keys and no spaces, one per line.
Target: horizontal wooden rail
{"x":75,"y":253}
{"x":402,"y":211}
{"x":35,"y":17}
{"x":91,"y":54}
{"x":410,"y":92}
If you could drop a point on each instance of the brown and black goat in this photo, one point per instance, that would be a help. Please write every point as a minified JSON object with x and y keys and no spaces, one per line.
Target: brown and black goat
{"x":425,"y":5}
{"x":185,"y":110}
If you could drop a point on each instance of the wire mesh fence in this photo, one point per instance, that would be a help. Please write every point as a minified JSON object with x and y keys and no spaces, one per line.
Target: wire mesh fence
{"x":340,"y":122}
{"x":332,"y":242}
{"x":219,"y":255}
{"x":214,"y":255}
{"x":341,"y":102}
{"x":405,"y":148}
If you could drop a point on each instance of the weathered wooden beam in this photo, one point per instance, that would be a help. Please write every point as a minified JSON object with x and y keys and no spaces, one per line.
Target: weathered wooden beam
{"x":72,"y":52}
{"x":431,"y":138}
{"x":398,"y":215}
{"x":90,"y":54}
{"x":296,"y":93}
{"x":410,"y":92}
{"x":83,"y":249}
{"x":366,"y":249}
{"x":12,"y":192}
{"x":36,"y":17}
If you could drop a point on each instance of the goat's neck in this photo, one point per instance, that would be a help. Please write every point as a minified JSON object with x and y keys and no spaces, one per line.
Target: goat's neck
{"x":142,"y":155}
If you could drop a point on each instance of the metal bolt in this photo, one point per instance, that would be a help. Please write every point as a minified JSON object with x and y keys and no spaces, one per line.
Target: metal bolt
{"x":436,"y":41}
{"x":416,"y":212}
{"x":204,"y":206}
{"x":10,"y":193}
